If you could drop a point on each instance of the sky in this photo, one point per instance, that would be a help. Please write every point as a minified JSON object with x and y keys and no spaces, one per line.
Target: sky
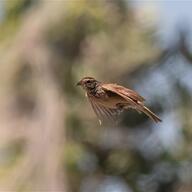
{"x":171,"y":15}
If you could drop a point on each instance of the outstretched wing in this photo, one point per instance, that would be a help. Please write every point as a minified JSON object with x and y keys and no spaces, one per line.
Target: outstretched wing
{"x":103,"y":113}
{"x":126,"y":93}
{"x":133,"y":98}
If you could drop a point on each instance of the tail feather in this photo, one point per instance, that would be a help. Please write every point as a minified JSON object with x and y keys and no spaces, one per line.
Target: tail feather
{"x":149,"y":113}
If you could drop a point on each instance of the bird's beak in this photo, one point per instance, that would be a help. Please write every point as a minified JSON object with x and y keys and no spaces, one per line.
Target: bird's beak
{"x":79,"y":83}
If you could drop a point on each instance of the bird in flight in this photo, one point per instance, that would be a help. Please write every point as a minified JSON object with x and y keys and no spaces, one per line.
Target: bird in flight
{"x":108,"y":100}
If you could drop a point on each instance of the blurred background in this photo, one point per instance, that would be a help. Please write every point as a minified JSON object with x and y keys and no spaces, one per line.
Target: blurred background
{"x":50,"y":138}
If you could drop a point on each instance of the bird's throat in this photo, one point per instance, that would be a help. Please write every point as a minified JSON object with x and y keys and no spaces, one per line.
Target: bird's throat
{"x":97,"y":92}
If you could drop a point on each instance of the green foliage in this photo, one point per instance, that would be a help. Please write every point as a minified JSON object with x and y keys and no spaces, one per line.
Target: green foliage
{"x":69,"y":40}
{"x":16,"y":8}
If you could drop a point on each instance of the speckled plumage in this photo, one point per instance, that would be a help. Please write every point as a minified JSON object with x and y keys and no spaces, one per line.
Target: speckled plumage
{"x":108,"y":100}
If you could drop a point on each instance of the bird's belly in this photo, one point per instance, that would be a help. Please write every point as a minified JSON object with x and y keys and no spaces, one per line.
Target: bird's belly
{"x":111,"y":102}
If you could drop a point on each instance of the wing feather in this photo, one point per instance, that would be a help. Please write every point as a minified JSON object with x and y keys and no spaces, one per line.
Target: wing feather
{"x":104,"y":113}
{"x":126,"y":93}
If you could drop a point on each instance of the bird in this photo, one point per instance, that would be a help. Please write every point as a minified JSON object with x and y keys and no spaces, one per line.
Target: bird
{"x":108,"y":100}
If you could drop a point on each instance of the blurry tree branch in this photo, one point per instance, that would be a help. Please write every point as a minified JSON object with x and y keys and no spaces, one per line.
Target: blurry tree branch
{"x":40,"y":168}
{"x":163,"y":55}
{"x":184,"y":46}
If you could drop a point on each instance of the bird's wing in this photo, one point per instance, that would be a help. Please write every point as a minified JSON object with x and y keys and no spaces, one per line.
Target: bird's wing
{"x":103,"y":113}
{"x":126,"y":93}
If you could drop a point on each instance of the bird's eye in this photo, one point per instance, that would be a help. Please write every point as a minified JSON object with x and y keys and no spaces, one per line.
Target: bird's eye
{"x":88,"y":81}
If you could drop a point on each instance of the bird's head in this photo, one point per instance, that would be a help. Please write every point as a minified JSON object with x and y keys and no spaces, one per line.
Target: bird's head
{"x":88,"y":83}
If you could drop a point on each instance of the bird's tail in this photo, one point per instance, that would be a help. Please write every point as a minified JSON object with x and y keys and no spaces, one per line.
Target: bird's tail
{"x":149,"y":113}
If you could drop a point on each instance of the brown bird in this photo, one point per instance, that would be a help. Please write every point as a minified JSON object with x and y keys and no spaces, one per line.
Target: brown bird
{"x":109,"y":100}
